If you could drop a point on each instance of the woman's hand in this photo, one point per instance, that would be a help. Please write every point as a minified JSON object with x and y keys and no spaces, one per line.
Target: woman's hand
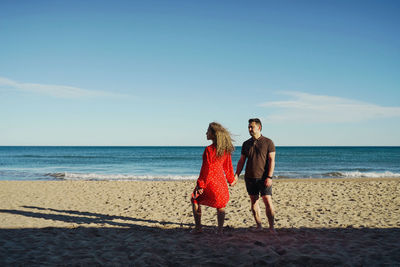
{"x":200,"y":190}
{"x":234,"y":181}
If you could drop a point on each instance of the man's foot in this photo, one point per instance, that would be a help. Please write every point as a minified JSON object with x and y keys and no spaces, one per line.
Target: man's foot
{"x":196,"y":231}
{"x":272,"y":231}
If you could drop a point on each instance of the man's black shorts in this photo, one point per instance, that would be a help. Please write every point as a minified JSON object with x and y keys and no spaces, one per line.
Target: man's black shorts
{"x":257,"y":187}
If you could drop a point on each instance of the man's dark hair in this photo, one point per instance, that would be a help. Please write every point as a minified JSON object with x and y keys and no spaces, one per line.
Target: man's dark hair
{"x":257,"y":121}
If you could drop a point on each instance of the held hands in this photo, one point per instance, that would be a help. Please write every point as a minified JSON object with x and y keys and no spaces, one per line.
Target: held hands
{"x":234,"y":181}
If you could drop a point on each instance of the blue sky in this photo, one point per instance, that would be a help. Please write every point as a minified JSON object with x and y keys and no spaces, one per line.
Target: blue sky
{"x":157,"y":72}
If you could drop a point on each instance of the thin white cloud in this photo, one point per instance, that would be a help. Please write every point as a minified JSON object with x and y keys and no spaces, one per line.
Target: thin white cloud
{"x":304,"y":107}
{"x":58,"y":91}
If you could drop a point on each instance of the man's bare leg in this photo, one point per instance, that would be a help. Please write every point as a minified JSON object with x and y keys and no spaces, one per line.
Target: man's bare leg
{"x":270,"y":211}
{"x":255,"y":209}
{"x":197,"y":216}
{"x":221,"y":219}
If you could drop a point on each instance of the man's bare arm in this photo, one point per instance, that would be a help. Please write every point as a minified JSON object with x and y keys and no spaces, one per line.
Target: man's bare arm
{"x":271,"y":168}
{"x":239,"y":168}
{"x":240,"y":165}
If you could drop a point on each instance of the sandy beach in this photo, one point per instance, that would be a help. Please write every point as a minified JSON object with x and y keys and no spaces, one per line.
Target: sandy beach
{"x":320,"y":222}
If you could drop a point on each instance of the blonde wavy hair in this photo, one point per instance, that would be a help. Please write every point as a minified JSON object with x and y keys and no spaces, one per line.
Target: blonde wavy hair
{"x":222,"y":139}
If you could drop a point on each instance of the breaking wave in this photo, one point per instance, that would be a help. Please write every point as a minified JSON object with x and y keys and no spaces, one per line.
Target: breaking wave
{"x":357,"y":174}
{"x":118,"y":177}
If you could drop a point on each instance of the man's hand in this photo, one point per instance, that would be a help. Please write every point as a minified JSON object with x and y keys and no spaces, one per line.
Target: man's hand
{"x":268,"y":182}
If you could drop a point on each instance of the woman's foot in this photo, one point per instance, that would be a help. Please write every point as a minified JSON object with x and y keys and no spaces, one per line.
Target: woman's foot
{"x":258,"y":228}
{"x":219,"y":231}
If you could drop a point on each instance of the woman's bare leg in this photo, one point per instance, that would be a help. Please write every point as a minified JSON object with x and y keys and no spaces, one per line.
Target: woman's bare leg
{"x":221,"y":219}
{"x":197,"y":216}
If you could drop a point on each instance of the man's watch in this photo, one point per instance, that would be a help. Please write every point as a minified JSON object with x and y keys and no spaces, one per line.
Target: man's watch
{"x":270,"y":177}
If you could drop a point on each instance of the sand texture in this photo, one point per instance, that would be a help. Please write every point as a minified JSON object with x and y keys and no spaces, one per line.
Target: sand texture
{"x":352,"y":222}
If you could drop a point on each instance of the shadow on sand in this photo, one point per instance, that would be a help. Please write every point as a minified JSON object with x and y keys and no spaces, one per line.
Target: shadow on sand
{"x":119,"y":240}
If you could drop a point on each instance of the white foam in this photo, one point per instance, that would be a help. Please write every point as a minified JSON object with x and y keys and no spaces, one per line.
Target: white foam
{"x":129,"y":177}
{"x":357,"y":174}
{"x":119,"y":177}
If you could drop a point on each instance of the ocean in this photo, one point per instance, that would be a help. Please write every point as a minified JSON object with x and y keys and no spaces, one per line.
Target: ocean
{"x":183,"y":163}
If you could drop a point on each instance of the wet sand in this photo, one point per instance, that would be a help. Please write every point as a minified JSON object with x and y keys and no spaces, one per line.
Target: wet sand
{"x":319,"y":222}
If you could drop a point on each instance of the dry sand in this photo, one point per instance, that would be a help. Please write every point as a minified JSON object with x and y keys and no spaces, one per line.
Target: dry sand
{"x":353,"y":222}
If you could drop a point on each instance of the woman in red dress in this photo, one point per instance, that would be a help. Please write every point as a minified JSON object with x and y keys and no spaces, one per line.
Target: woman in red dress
{"x":212,"y":189}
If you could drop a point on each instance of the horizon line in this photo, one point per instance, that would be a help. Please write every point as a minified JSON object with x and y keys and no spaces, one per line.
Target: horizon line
{"x":192,"y":145}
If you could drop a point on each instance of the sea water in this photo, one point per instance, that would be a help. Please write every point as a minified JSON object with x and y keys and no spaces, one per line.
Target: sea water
{"x":184,"y":163}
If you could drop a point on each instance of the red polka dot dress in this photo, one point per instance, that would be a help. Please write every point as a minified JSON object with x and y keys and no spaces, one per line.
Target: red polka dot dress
{"x":214,"y":173}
